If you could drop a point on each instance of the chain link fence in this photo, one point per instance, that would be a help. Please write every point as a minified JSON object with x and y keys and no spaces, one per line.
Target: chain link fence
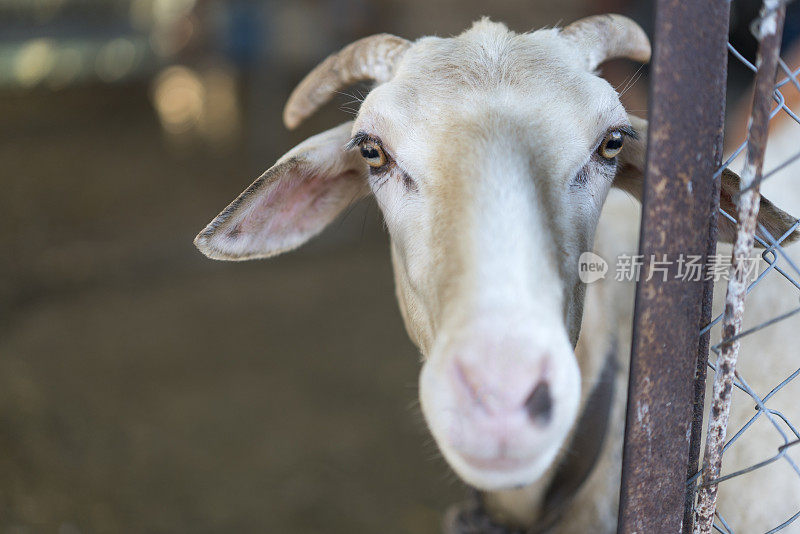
{"x":752,"y":338}
{"x":746,"y":432}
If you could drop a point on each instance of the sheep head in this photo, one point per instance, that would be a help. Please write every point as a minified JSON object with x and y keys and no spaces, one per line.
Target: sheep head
{"x":490,"y":155}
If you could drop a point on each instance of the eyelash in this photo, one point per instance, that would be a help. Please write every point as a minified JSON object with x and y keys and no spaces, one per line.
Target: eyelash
{"x":362,"y":137}
{"x":381,"y":174}
{"x":582,"y":176}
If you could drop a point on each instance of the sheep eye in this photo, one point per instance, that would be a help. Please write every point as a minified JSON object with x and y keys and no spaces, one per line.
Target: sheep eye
{"x":611,"y":145}
{"x":373,"y":154}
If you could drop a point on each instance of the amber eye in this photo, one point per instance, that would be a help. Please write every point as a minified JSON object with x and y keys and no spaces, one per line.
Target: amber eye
{"x":611,"y":145}
{"x":373,"y":154}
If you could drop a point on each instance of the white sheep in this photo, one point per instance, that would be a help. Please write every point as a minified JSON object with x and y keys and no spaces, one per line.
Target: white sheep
{"x":490,"y":155}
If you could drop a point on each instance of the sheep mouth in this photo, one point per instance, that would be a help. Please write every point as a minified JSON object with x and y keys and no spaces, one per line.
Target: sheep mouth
{"x":494,"y":473}
{"x":498,"y":463}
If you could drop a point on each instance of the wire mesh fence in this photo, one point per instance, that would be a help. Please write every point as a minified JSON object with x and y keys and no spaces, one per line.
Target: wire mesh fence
{"x":761,"y":411}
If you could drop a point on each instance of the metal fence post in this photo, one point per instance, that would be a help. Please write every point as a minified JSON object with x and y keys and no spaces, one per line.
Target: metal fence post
{"x":687,"y":92}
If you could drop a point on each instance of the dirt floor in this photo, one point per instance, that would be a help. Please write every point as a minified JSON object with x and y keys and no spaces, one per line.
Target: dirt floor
{"x":144,"y":388}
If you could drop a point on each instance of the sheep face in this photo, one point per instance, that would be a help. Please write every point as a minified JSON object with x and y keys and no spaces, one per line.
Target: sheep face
{"x":490,"y":155}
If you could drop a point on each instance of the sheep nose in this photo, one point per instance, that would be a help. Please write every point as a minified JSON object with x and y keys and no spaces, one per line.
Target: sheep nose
{"x":501,"y":391}
{"x":539,"y":403}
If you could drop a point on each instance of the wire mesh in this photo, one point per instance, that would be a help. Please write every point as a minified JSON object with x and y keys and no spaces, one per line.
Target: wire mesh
{"x":775,"y":263}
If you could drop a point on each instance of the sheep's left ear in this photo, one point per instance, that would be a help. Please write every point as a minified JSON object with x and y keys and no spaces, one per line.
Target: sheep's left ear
{"x":631,"y":161}
{"x":630,"y":178}
{"x":775,"y":221}
{"x":291,"y":202}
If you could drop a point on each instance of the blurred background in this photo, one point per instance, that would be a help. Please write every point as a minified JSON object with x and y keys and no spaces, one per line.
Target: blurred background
{"x":144,"y":388}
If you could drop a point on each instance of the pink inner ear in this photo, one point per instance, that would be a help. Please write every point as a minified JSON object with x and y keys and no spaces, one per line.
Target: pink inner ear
{"x":293,"y":209}
{"x":288,"y":207}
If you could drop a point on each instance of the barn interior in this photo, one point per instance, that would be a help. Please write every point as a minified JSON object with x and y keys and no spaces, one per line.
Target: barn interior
{"x":145,"y":388}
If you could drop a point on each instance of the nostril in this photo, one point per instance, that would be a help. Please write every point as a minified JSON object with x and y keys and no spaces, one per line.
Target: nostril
{"x":539,"y":403}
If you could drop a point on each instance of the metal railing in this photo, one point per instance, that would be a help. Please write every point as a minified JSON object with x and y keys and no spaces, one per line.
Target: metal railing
{"x":667,"y":369}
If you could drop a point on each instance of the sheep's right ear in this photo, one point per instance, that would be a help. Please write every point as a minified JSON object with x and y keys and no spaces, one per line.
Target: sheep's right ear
{"x":291,"y":202}
{"x":630,"y":177}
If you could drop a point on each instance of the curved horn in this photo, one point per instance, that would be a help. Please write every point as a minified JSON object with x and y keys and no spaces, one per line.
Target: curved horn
{"x":370,"y":58}
{"x":603,"y":37}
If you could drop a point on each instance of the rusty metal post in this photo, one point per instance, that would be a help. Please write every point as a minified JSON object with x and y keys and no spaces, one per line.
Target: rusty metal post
{"x":770,"y":29}
{"x":687,"y":92}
